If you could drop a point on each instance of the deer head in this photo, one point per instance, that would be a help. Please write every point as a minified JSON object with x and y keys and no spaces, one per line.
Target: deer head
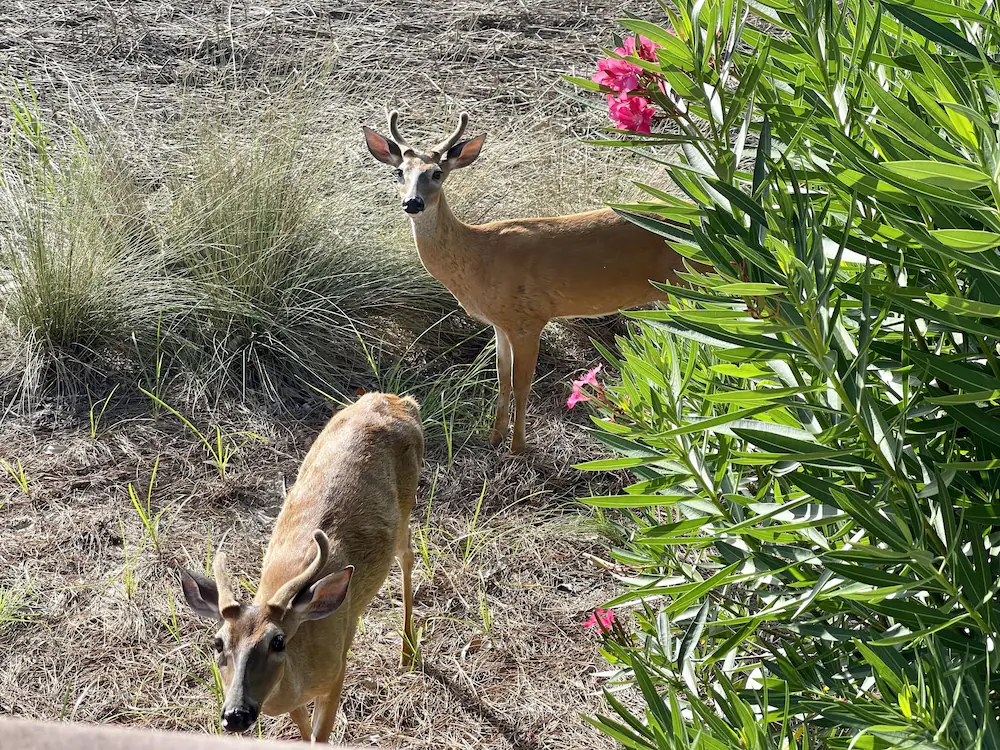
{"x":250,"y":645}
{"x":421,"y":174}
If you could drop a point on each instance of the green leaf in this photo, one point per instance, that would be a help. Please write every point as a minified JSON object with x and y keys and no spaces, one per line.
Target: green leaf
{"x":949,"y":10}
{"x":744,"y":371}
{"x":611,"y":464}
{"x":932,"y":30}
{"x":896,"y":114}
{"x":698,"y":424}
{"x":939,"y":174}
{"x":993,"y":463}
{"x":760,"y":394}
{"x":693,"y":634}
{"x":951,"y":321}
{"x":741,"y":200}
{"x":584,"y":83}
{"x":977,"y":421}
{"x":674,"y":46}
{"x":664,"y":228}
{"x":967,"y":240}
{"x":784,"y":448}
{"x":636,"y":501}
{"x":975,"y":397}
{"x":717,"y":337}
{"x":962,"y":306}
{"x":871,"y":576}
{"x":744,"y":289}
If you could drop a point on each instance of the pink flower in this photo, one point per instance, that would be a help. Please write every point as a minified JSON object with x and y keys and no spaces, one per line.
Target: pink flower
{"x":602,"y":617}
{"x":576,"y":397}
{"x":578,"y":394}
{"x":618,"y":75}
{"x":633,"y":113}
{"x":590,"y":378}
{"x":646,"y":50}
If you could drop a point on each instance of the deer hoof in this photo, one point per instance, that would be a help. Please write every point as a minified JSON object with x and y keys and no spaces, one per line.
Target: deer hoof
{"x":517,"y":446}
{"x":496,"y":437}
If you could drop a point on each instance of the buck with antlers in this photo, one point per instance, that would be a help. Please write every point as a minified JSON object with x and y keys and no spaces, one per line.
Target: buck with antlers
{"x":518,"y":275}
{"x":342,"y":523}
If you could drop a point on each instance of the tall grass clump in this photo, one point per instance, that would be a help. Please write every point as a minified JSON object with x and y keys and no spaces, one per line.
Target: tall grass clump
{"x":80,"y":269}
{"x":280,"y":298}
{"x":813,"y":426}
{"x":248,"y":269}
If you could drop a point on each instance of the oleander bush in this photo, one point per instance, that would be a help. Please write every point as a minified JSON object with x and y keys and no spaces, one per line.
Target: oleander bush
{"x":809,"y":548}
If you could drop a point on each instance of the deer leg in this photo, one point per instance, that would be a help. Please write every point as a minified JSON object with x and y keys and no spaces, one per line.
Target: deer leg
{"x":525,"y":358}
{"x":301,"y":718}
{"x":504,"y":363}
{"x":325,"y":713}
{"x":409,"y":637}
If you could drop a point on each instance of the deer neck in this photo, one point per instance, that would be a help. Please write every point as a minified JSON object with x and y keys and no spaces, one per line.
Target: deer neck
{"x":439,"y":237}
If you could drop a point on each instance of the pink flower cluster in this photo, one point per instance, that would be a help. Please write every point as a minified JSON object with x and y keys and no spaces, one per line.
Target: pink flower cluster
{"x":603,"y":618}
{"x":627,"y":109}
{"x":579,"y":395}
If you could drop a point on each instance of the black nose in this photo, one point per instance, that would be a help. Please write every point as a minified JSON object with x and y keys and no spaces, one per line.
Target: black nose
{"x":239,"y":720}
{"x":413,"y":205}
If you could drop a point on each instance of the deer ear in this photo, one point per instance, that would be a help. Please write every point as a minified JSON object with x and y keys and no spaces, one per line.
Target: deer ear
{"x":323,"y":597}
{"x":382,"y":148}
{"x":202,"y":594}
{"x":464,"y":153}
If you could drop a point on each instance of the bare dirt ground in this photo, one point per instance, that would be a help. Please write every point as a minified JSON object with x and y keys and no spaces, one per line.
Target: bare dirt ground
{"x":91,"y":624}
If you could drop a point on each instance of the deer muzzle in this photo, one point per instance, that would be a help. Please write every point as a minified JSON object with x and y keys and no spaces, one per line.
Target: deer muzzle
{"x":413,"y":205}
{"x":240,"y":718}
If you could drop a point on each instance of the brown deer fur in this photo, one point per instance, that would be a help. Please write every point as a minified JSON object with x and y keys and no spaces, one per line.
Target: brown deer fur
{"x":342,"y":523}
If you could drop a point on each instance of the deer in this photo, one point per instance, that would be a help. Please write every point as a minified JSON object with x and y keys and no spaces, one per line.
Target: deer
{"x":342,"y":522}
{"x":519,"y":274}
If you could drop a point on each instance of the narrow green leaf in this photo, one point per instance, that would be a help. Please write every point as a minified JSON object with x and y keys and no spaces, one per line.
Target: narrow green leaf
{"x":932,"y":30}
{"x":612,"y":464}
{"x":975,"y":397}
{"x":977,"y":421}
{"x":673,"y":46}
{"x":941,"y":174}
{"x":584,"y":83}
{"x":967,"y":240}
{"x":963,"y":306}
{"x":709,"y":335}
{"x":953,"y":322}
{"x":989,"y":465}
{"x":636,"y":501}
{"x":898,"y":115}
{"x":744,"y":289}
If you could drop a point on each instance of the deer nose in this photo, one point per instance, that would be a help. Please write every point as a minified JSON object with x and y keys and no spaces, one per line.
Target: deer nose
{"x":239,"y":720}
{"x":413,"y":205}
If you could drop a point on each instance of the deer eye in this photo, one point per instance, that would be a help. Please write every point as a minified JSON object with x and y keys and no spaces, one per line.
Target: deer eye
{"x":437,"y":176}
{"x":278,"y":643}
{"x":219,"y":645}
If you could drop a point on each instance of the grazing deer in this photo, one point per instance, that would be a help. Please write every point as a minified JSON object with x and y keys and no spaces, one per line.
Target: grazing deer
{"x":342,"y":522}
{"x":518,"y":275}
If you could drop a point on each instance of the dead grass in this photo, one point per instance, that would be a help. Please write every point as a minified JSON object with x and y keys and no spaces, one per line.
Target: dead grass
{"x":98,"y":633}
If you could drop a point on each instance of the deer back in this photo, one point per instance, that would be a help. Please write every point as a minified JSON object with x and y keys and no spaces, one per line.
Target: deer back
{"x":356,"y":484}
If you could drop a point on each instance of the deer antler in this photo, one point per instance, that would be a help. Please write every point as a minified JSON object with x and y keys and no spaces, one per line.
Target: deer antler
{"x":451,"y":140}
{"x":394,"y":131}
{"x":284,"y":596}
{"x":227,"y":599}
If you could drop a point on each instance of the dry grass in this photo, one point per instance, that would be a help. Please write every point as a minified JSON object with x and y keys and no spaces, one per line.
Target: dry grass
{"x":92,"y":628}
